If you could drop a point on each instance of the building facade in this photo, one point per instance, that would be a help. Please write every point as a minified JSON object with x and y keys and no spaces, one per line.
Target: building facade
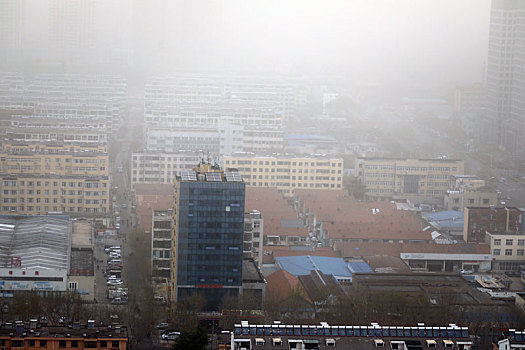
{"x":457,"y":200}
{"x":508,"y":250}
{"x":478,"y":221}
{"x":287,"y":173}
{"x":413,"y":179}
{"x":253,"y":237}
{"x":161,"y":168}
{"x":208,"y":235}
{"x":38,"y":179}
{"x":504,"y":120}
{"x":161,"y":248}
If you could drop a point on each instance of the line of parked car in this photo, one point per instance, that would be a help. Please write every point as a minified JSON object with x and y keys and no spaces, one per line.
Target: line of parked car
{"x":117,"y":292}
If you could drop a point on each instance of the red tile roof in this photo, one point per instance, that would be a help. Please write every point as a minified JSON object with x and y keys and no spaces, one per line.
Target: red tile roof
{"x":280,"y":285}
{"x":152,"y":197}
{"x":273,"y":208}
{"x":344,"y":217}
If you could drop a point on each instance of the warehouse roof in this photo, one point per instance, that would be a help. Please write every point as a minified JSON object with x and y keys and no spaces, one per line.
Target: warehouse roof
{"x":39,"y":241}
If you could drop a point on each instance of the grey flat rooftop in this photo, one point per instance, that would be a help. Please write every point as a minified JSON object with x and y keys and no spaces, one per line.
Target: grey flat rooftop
{"x":40,"y":241}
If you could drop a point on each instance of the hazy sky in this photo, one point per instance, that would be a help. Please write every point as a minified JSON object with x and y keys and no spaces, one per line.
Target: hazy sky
{"x":370,"y":41}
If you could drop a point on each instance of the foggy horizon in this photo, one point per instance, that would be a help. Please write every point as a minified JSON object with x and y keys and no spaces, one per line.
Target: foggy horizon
{"x":401,"y":43}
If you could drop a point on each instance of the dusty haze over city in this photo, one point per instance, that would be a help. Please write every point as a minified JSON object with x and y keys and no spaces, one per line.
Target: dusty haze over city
{"x":400,"y":42}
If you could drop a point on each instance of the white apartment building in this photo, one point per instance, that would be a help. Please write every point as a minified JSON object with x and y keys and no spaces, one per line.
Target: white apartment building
{"x":153,"y":168}
{"x":52,"y":129}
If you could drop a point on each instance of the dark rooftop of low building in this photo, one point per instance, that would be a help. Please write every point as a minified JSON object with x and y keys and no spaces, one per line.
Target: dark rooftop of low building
{"x":34,"y":329}
{"x":81,"y":262}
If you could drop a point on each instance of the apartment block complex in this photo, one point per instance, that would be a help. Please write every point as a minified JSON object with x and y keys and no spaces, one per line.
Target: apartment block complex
{"x":218,"y":115}
{"x":413,"y":179}
{"x":37,"y":334}
{"x":29,"y":128}
{"x":208,"y":235}
{"x":151,"y":167}
{"x":67,"y":97}
{"x":287,"y":172}
{"x":38,"y":179}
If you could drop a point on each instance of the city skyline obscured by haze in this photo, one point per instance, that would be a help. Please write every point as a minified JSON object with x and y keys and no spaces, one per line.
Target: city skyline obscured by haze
{"x":404,"y":42}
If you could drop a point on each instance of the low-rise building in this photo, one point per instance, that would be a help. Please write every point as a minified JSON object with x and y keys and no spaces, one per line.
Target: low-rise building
{"x":282,"y":226}
{"x":425,"y":256}
{"x":334,"y":216}
{"x":302,"y":336}
{"x":288,"y":172}
{"x":81,"y":276}
{"x":508,"y":250}
{"x":459,"y":199}
{"x":33,"y":335}
{"x":35,"y":253}
{"x":469,"y":190}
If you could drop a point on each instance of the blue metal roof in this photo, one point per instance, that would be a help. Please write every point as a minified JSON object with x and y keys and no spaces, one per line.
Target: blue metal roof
{"x":302,"y":265}
{"x":450,"y":224}
{"x":444,"y":215}
{"x":359,"y":266}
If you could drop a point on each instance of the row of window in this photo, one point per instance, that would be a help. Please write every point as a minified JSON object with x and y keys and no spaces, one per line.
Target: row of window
{"x":14,"y":183}
{"x":407,"y":168}
{"x":30,"y":208}
{"x":267,"y":162}
{"x":42,"y":343}
{"x":508,"y":252}
{"x":497,"y":241}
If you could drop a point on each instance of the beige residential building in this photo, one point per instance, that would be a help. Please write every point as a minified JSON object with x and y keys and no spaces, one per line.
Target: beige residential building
{"x":38,"y":179}
{"x":458,"y":200}
{"x":288,"y":172}
{"x":508,"y":250}
{"x":413,"y":179}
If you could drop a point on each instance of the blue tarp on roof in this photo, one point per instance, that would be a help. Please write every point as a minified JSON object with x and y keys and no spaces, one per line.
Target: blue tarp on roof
{"x":302,"y":265}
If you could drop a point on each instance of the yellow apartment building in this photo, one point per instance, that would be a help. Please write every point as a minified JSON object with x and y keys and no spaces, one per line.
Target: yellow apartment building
{"x":38,"y":179}
{"x":413,"y":179}
{"x":288,"y":172}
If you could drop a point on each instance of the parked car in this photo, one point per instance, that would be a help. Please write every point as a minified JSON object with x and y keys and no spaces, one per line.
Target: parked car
{"x":171,"y":336}
{"x":162,"y":325}
{"x":114,"y":282}
{"x":115,"y":261}
{"x":119,"y":301}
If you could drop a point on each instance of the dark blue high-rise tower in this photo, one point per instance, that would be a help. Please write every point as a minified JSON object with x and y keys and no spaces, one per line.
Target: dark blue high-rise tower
{"x":208,"y":239}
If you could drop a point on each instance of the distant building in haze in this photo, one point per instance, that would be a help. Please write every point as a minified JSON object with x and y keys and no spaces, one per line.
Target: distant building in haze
{"x":412,"y":179}
{"x":504,"y":120}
